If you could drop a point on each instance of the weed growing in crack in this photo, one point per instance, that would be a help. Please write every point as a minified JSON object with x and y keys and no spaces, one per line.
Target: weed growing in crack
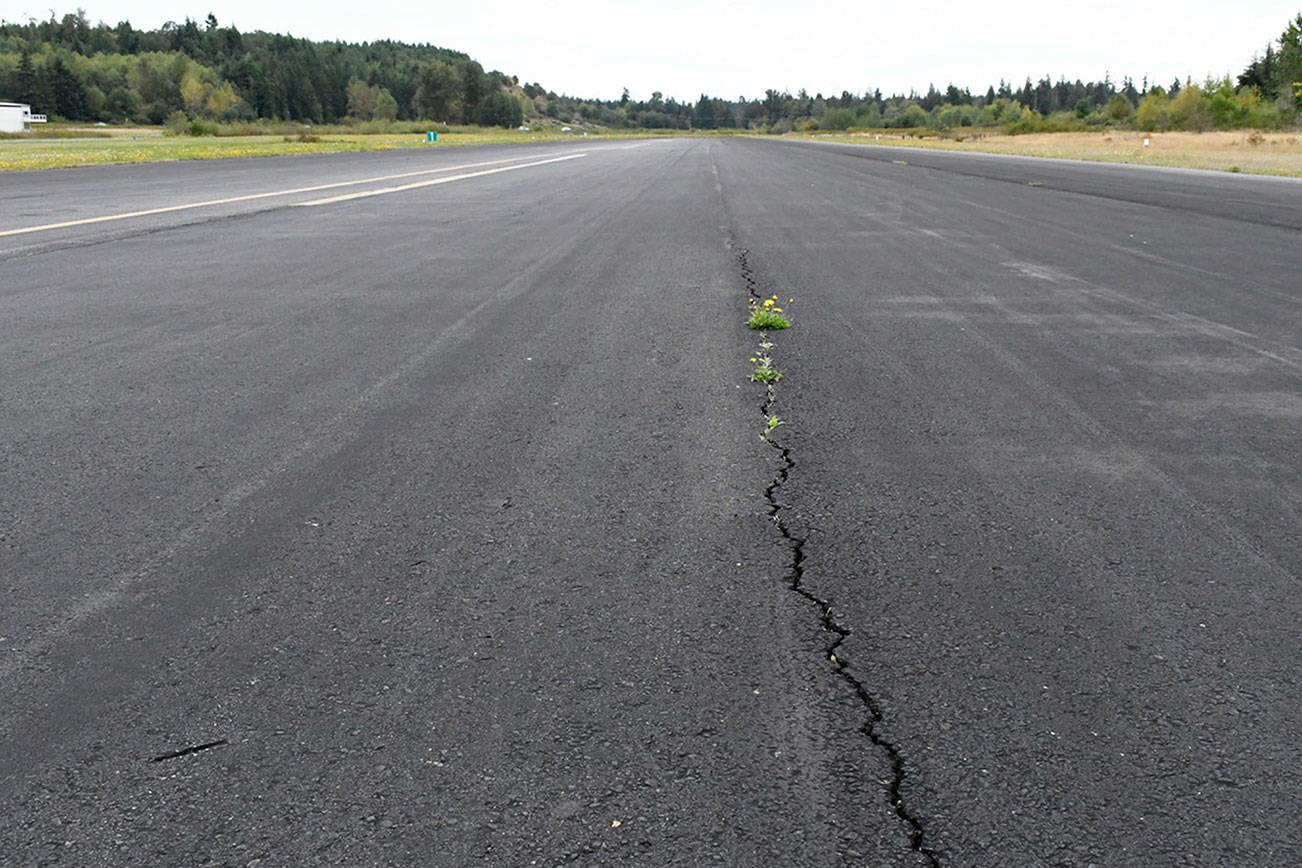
{"x":766,"y":315}
{"x":764,"y":371}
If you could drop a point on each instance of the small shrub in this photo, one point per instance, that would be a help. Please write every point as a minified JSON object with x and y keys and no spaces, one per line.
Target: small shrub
{"x":198,"y":127}
{"x":176,"y":123}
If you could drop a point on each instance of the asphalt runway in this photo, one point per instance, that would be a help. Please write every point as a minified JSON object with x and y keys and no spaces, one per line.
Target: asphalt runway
{"x":410,"y":508}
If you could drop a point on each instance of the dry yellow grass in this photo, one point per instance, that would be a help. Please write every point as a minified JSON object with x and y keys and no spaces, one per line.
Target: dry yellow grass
{"x":1261,"y":153}
{"x":19,"y":154}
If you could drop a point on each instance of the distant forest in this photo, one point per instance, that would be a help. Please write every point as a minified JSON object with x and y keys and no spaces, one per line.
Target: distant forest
{"x":203,"y":73}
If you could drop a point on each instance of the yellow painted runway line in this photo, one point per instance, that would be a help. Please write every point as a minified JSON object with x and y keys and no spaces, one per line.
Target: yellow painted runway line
{"x":314,"y":189}
{"x":416,"y":185}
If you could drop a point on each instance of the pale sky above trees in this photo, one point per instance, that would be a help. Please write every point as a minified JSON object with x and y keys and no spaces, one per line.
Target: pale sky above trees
{"x":596,"y":48}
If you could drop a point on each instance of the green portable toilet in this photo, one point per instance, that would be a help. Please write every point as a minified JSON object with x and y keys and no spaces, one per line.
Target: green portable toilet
{"x":431,"y":136}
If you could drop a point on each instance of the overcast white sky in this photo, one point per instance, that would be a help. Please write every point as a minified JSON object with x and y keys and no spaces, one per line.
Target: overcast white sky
{"x":727,"y":49}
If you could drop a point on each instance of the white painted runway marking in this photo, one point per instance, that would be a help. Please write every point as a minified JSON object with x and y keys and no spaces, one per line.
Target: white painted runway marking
{"x":252,"y":196}
{"x":418,"y":184}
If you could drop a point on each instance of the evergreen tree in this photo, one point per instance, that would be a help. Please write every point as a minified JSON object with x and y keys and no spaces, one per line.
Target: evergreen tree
{"x":27,"y":84}
{"x":67,"y":91}
{"x":1287,"y":73}
{"x":704,"y":118}
{"x":499,"y":109}
{"x":1261,"y":74}
{"x":125,"y":38}
{"x":438,"y":96}
{"x":473,"y":88}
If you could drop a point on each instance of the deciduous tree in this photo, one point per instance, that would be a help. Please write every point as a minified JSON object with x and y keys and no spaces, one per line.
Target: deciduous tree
{"x":438,"y":96}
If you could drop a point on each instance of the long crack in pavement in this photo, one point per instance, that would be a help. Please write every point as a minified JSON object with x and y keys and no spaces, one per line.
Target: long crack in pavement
{"x":795,"y":579}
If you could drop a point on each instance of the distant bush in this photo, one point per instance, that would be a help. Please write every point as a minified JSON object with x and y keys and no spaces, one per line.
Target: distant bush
{"x":175,"y":123}
{"x":948,"y":117}
{"x":1154,"y":112}
{"x":501,"y":109}
{"x":908,"y":116}
{"x":1188,"y":110}
{"x":838,"y":119}
{"x":180,"y":124}
{"x":1119,"y":108}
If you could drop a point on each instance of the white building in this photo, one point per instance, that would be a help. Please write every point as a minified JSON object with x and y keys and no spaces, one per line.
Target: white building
{"x":15,"y":117}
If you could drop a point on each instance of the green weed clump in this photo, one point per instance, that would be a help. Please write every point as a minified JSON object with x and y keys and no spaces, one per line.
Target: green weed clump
{"x":764,"y":371}
{"x":767,"y":316}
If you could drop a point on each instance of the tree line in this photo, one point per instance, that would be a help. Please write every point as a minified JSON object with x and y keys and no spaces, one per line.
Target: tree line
{"x":74,"y":70}
{"x":1268,"y":94}
{"x":77,"y":71}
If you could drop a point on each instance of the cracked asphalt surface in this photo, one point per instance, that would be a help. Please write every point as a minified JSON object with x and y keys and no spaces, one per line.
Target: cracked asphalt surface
{"x":433,"y":527}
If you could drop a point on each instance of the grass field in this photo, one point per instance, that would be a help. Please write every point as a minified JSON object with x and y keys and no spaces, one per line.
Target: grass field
{"x":107,"y":145}
{"x":1260,"y":153}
